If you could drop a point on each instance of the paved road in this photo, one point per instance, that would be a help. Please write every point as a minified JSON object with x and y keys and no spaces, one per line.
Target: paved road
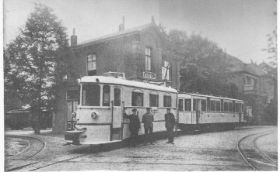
{"x":205,"y":151}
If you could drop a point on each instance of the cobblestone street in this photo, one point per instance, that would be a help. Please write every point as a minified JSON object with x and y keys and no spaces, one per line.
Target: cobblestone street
{"x":204,"y":151}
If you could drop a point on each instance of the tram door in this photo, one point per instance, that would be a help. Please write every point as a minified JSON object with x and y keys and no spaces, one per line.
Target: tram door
{"x":197,"y":109}
{"x":117,"y":111}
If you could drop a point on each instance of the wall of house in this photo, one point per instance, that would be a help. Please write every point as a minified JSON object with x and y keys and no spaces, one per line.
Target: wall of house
{"x":150,"y":38}
{"x":123,"y":54}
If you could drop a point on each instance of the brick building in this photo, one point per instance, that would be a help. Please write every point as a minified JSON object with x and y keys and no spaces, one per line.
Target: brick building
{"x":136,"y":52}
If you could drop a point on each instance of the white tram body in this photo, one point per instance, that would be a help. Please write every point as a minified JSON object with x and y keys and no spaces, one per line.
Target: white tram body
{"x":104,"y":100}
{"x":198,"y":110}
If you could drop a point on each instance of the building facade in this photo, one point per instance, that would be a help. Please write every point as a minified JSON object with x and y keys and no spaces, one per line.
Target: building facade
{"x":136,"y":53}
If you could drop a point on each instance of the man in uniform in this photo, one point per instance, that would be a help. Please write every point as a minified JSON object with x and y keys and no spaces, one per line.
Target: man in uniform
{"x":169,"y":124}
{"x":134,"y":126}
{"x":148,"y":120}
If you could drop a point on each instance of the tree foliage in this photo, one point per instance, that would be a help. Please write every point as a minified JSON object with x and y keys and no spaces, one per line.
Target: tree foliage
{"x":204,"y":66}
{"x":35,"y":60}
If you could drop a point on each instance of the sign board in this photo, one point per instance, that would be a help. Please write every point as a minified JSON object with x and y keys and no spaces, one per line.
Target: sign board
{"x":149,"y":75}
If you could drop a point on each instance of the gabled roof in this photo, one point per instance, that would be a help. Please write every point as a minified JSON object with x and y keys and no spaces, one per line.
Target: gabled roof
{"x":117,"y":34}
{"x":252,"y":69}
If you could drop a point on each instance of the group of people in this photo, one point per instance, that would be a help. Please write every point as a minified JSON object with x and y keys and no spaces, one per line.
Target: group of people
{"x":148,"y":120}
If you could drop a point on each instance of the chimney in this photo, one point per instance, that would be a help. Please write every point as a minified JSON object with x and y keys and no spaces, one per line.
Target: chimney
{"x":122,"y":25}
{"x":73,"y":39}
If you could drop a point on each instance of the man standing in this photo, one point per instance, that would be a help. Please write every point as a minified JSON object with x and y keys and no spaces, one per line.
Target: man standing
{"x":134,"y":126}
{"x":169,"y":124}
{"x":148,"y":120}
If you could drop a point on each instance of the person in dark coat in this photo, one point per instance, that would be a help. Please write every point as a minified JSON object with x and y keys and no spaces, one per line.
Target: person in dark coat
{"x":148,"y":120}
{"x":169,"y":124}
{"x":134,"y":126}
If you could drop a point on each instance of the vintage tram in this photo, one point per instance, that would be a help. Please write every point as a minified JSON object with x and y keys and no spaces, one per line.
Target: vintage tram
{"x":104,"y":100}
{"x":198,"y":111}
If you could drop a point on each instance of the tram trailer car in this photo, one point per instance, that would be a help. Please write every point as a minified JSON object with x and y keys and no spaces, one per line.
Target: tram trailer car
{"x":204,"y":112}
{"x":104,"y":100}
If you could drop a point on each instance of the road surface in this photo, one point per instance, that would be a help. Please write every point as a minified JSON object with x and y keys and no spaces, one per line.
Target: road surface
{"x":203,"y":151}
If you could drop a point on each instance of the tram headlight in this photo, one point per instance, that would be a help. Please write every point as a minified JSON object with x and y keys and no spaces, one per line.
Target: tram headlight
{"x":94,"y":115}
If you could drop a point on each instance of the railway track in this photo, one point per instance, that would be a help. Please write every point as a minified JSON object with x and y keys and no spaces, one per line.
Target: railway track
{"x":253,"y":155}
{"x":55,"y":161}
{"x":35,"y":146}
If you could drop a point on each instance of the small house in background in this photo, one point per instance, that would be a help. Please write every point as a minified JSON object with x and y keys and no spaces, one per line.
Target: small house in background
{"x":258,"y":88}
{"x":136,"y":53}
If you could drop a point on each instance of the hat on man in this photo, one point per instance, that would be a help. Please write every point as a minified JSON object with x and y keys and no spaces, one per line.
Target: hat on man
{"x":148,"y":108}
{"x":168,"y":108}
{"x":133,"y":110}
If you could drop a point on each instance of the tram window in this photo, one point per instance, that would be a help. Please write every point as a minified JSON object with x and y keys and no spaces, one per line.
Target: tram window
{"x":117,"y":97}
{"x":213,"y":106}
{"x":137,"y":99}
{"x":230,"y":107}
{"x":194,"y":105}
{"x":225,"y":106}
{"x":106,"y":95}
{"x":153,"y":100}
{"x":91,"y":95}
{"x":188,"y":105}
{"x":235,"y":107}
{"x":241,"y":109}
{"x":203,"y":105}
{"x":180,"y":104}
{"x":218,"y":106}
{"x":167,"y":101}
{"x":208,"y":104}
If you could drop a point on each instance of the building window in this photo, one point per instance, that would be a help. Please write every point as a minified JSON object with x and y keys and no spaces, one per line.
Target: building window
{"x":167,"y":101}
{"x":137,"y":99}
{"x":148,"y":57}
{"x":153,"y":100}
{"x":106,"y":95}
{"x":248,"y":80}
{"x":188,"y":105}
{"x":117,"y":97}
{"x":166,"y":70}
{"x":91,"y":64}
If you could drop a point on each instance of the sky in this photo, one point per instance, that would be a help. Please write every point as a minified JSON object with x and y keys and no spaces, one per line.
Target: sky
{"x":237,"y":26}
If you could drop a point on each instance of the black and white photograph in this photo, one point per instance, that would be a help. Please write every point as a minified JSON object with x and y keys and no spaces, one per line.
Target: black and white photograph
{"x":140,"y":85}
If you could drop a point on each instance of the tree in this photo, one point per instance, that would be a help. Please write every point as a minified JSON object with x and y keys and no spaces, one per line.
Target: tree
{"x":204,"y":66}
{"x":35,"y":61}
{"x":271,"y":71}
